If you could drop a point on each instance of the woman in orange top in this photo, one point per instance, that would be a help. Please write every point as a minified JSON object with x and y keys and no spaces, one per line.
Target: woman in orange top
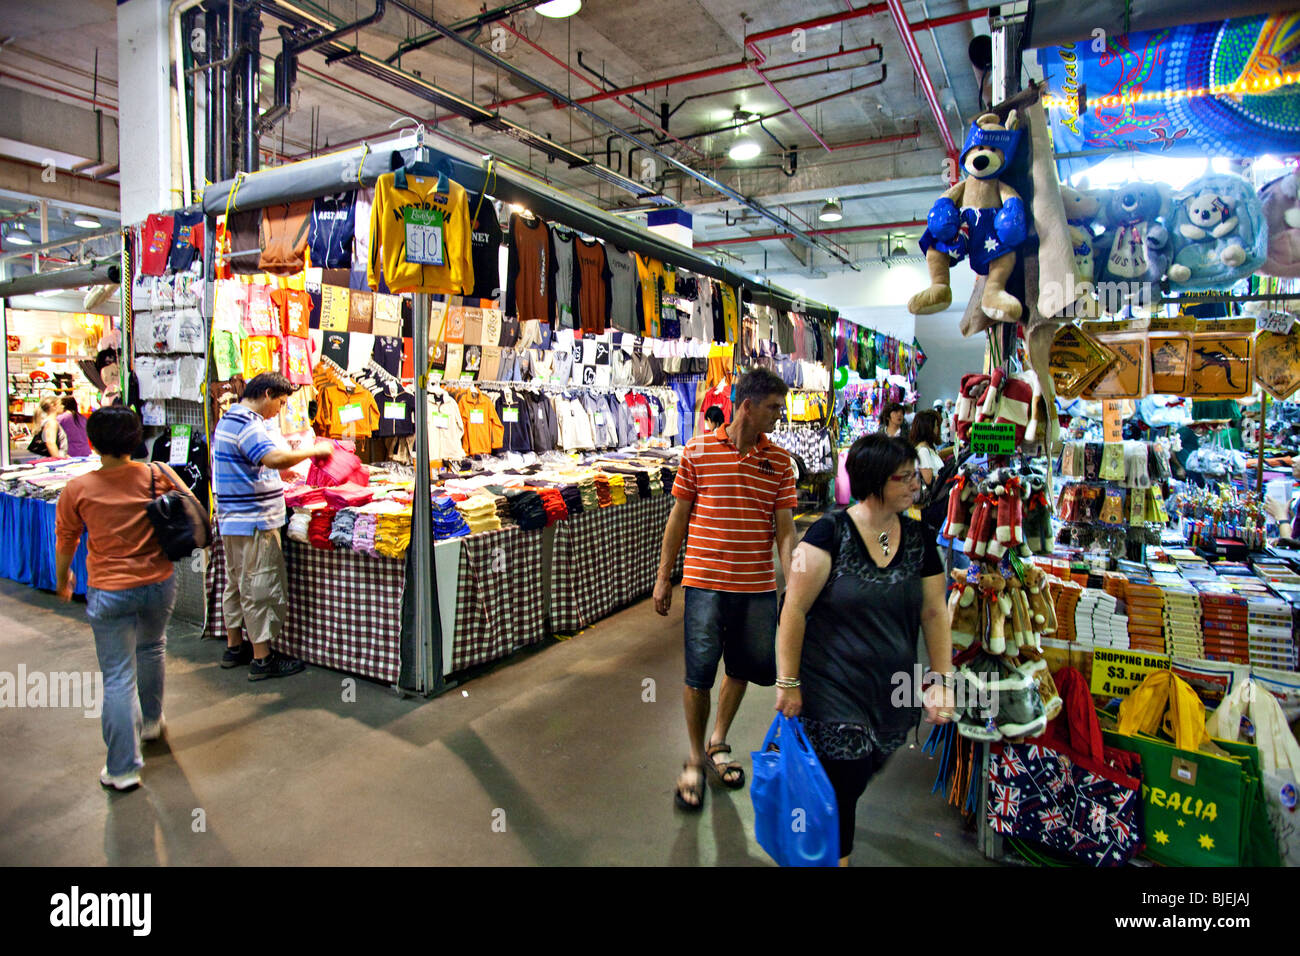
{"x":131,"y":588}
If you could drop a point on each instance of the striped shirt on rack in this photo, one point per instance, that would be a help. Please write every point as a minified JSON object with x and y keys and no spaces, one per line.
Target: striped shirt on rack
{"x":735,"y":500}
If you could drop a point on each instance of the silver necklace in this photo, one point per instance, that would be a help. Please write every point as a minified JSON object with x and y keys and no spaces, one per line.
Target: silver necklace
{"x":884,"y":542}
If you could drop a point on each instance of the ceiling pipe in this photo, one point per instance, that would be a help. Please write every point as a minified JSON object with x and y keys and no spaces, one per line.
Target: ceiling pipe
{"x":707,"y":180}
{"x":759,"y":58}
{"x":927,"y":85}
{"x":816,"y":232}
{"x":475,"y":22}
{"x":102,"y":273}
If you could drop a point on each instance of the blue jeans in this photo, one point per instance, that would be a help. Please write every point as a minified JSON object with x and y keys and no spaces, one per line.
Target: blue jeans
{"x":130,"y":642}
{"x":736,"y":628}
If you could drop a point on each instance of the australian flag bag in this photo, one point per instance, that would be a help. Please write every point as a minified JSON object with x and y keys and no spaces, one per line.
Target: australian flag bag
{"x":1067,"y":791}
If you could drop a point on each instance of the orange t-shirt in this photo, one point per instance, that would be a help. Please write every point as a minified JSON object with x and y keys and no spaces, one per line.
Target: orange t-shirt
{"x":122,"y":551}
{"x":735,"y":500}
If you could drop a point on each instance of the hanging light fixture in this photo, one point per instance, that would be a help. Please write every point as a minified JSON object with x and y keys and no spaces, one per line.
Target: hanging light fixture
{"x":559,"y":9}
{"x":17,"y":235}
{"x":85,"y":220}
{"x":745,"y":147}
{"x":831,"y":212}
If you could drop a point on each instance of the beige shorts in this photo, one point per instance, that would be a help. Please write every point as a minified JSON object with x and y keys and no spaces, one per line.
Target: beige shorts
{"x":256,"y":597}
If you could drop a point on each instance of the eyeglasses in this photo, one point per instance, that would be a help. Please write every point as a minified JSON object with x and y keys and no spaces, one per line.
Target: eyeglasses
{"x":909,"y":477}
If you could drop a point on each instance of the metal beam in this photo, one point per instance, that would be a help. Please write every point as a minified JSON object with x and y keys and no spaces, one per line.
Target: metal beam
{"x":99,"y":273}
{"x":58,"y":127}
{"x":26,"y":179}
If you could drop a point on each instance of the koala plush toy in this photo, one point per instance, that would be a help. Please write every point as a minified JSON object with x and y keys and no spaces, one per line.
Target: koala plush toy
{"x":1218,"y":233}
{"x":1081,"y":209}
{"x":1133,"y":253}
{"x":981,"y":218}
{"x":1282,"y":213}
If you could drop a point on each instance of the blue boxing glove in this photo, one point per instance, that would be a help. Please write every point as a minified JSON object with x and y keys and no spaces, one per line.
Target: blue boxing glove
{"x":944,"y":220}
{"x":1010,"y":222}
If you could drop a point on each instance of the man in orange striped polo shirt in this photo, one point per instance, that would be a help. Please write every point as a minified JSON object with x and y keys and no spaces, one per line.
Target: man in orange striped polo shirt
{"x":735,"y":496}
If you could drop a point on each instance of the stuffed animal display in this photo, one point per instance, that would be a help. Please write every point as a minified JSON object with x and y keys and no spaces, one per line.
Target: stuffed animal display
{"x":1218,"y":234}
{"x":1081,"y":211}
{"x":1282,"y":214}
{"x":981,"y":219}
{"x":1001,"y":398}
{"x":1133,"y":253}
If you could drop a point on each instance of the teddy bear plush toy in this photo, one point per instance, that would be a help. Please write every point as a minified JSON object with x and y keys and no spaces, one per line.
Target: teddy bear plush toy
{"x":1081,"y":209}
{"x":980,"y":218}
{"x":1218,"y":233}
{"x":1282,"y":213}
{"x":1133,"y":253}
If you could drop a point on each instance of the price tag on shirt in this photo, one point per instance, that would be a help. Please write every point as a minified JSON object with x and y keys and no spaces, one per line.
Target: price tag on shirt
{"x":351,"y":413}
{"x":508,"y":415}
{"x":476,"y":417}
{"x":395,"y":411}
{"x":440,"y":420}
{"x":435,"y":374}
{"x":599,"y":418}
{"x":800,"y":405}
{"x":423,"y":236}
{"x":180,"y":450}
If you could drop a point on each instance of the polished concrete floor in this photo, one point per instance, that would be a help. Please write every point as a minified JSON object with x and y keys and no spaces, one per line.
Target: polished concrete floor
{"x":554,"y":758}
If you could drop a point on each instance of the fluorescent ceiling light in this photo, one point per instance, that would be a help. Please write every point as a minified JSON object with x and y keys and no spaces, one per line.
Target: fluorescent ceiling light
{"x":743,"y":149}
{"x":86,"y":221}
{"x":18,"y":236}
{"x":559,"y":9}
{"x":831,"y":212}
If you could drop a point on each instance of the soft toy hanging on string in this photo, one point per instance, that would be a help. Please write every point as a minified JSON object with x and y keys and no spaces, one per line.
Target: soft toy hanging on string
{"x":981,"y":218}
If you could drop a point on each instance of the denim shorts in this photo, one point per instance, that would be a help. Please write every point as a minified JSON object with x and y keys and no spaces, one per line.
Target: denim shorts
{"x":736,"y":628}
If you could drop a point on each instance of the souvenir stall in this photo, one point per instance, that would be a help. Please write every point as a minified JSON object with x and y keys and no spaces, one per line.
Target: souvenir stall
{"x":50,"y":354}
{"x":528,"y":417}
{"x":1096,"y":578}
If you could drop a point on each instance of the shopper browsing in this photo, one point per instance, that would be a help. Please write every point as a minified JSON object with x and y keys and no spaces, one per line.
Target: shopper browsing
{"x":925,"y":440}
{"x":866,"y":581}
{"x":735,"y":494}
{"x":250,"y":514}
{"x":714,"y":417}
{"x":130,"y":588}
{"x":891,"y":420}
{"x":74,"y":426}
{"x":49,"y":440}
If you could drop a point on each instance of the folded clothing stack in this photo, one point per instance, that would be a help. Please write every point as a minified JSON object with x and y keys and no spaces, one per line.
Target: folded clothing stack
{"x":341,"y":467}
{"x":318,"y":528}
{"x":617,"y":494}
{"x":447,"y":520}
{"x":572,"y":499}
{"x":553,"y":502}
{"x":342,"y":529}
{"x":298,"y":523}
{"x":347,"y":495}
{"x":667,"y":475}
{"x":527,"y":509}
{"x":303,"y":496}
{"x":363,"y":533}
{"x":393,"y":533}
{"x":603,"y":494}
{"x":480,"y":513}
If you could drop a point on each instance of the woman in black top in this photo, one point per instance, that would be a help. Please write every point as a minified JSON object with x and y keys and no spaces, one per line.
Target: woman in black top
{"x":865,"y":581}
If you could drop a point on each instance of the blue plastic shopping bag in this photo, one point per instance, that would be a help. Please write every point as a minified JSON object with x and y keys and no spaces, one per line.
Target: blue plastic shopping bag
{"x":795,"y":816}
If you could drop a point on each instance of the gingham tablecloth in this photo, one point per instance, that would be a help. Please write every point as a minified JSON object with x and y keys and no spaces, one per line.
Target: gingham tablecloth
{"x":345,"y":609}
{"x":500,"y":597}
{"x":606,"y":559}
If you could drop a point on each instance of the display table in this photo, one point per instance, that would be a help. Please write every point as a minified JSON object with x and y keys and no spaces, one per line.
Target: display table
{"x":345,"y":608}
{"x":606,"y":559}
{"x":27,"y":544}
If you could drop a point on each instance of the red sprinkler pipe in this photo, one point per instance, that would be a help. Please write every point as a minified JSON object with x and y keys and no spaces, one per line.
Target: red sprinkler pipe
{"x":918,"y":64}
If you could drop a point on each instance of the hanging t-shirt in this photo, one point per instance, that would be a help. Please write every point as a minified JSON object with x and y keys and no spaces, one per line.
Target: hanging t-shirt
{"x":334,"y":346}
{"x":593,"y":286}
{"x":297,"y":360}
{"x":284,"y":237}
{"x":624,"y":290}
{"x":295,"y":311}
{"x":566,"y":279}
{"x":387,"y":353}
{"x":530,"y":271}
{"x":387,"y":315}
{"x":155,"y":244}
{"x":362,"y":202}
{"x":447,"y":267}
{"x":360,"y":311}
{"x":651,"y":273}
{"x":485,"y":248}
{"x":244,"y":233}
{"x":187,"y":240}
{"x":700,"y":324}
{"x":258,"y":352}
{"x":333,"y":222}
{"x":730,"y":313}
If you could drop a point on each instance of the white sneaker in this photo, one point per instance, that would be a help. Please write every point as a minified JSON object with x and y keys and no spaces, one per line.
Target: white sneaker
{"x":123,"y":781}
{"x":153,"y":729}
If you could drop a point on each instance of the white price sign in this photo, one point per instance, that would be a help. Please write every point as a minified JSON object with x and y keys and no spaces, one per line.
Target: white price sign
{"x":1279,"y":322}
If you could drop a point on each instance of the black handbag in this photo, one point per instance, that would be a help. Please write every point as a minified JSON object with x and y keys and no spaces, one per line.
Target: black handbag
{"x":178,"y":520}
{"x":38,"y":447}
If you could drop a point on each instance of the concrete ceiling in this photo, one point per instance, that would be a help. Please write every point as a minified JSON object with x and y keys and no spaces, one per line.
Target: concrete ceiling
{"x":48,"y":49}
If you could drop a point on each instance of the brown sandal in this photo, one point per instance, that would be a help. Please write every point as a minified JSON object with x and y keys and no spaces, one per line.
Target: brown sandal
{"x":720,"y":771}
{"x":697,"y":790}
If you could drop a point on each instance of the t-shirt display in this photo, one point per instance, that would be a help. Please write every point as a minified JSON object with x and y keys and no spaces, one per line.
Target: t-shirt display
{"x":530,"y":271}
{"x":284,"y":231}
{"x":333,"y":223}
{"x":593,"y":286}
{"x":155,"y":244}
{"x":485,"y":248}
{"x":624,"y":290}
{"x":187,"y":240}
{"x":566,"y":278}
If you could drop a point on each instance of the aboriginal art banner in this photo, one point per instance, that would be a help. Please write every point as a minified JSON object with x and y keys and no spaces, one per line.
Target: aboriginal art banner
{"x":1226,"y":88}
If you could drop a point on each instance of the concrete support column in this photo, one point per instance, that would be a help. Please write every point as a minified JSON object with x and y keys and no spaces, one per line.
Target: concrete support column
{"x":145,"y":109}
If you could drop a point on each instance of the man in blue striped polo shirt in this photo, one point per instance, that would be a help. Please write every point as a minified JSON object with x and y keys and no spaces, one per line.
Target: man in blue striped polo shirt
{"x":250,"y":513}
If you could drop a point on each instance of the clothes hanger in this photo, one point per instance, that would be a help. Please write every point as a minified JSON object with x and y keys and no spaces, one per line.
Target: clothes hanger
{"x":423,"y":165}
